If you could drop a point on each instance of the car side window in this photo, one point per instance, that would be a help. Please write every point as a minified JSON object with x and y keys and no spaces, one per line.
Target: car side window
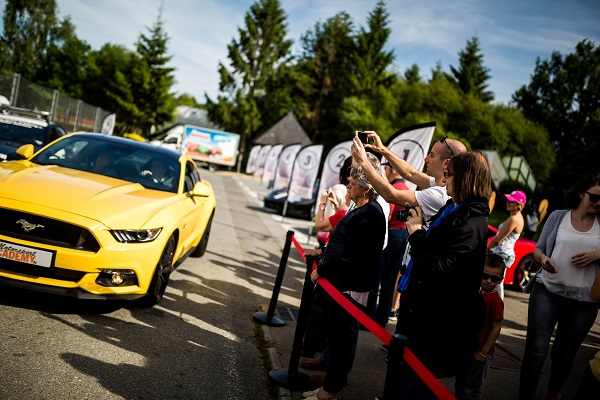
{"x":191,"y":176}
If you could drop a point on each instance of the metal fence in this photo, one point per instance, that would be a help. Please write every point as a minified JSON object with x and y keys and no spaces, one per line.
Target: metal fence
{"x":72,"y":114}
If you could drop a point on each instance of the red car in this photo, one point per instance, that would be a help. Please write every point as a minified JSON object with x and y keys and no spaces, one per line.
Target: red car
{"x":524,"y":268}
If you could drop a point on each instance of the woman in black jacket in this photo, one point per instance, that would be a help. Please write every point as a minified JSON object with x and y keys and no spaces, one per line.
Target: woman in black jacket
{"x":351,"y":261}
{"x":441,"y":310}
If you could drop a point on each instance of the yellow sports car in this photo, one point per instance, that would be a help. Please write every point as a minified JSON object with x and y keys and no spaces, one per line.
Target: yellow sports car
{"x":101,"y":217}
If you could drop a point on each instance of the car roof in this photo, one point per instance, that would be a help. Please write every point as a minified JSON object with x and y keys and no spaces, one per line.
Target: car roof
{"x":162,"y":151}
{"x":28,"y":113}
{"x":11,"y":119}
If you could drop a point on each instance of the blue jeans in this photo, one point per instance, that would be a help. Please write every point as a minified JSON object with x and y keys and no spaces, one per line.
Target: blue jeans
{"x":469,"y":384}
{"x":574,"y":319}
{"x":390,"y":267}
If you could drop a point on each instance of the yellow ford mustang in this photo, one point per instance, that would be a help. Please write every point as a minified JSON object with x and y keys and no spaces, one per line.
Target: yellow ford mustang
{"x":101,"y":217}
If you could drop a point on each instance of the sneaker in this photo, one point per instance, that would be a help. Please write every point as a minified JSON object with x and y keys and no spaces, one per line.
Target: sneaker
{"x":393,"y":315}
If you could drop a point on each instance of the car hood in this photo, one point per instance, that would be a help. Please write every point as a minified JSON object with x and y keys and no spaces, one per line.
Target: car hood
{"x":104,"y":199}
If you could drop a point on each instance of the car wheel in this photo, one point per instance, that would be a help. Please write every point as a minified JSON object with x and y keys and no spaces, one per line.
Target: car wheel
{"x":525,"y":271}
{"x":201,"y":248}
{"x":163,"y":270}
{"x":212,"y":168}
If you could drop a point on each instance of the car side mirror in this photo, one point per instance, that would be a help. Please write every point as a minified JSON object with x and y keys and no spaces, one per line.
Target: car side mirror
{"x":200,"y":190}
{"x":26,"y":150}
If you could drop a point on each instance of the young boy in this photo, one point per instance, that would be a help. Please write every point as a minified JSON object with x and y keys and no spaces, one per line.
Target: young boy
{"x":469,"y":385}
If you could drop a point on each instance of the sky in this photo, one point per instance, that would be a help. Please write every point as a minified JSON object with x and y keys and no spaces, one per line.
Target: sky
{"x":512,"y":33}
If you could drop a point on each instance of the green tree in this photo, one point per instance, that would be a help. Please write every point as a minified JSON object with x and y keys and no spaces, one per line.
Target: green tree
{"x":256,"y":60}
{"x":325,"y":67}
{"x":412,"y":74}
{"x":471,"y":76}
{"x":30,"y":28}
{"x":152,"y":79}
{"x":102,"y":67}
{"x":186,"y":99}
{"x":437,"y":74}
{"x":371,"y":63}
{"x":563,"y":97}
{"x":65,"y":68}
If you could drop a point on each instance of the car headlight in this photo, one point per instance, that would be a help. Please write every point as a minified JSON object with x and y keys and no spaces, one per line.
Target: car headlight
{"x":135,"y":235}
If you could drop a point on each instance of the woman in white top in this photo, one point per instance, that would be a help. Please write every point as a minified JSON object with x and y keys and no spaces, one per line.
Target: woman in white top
{"x":569,"y":252}
{"x":509,"y":231}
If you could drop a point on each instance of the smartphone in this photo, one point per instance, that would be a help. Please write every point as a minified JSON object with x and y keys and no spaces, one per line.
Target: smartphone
{"x":362,"y":136}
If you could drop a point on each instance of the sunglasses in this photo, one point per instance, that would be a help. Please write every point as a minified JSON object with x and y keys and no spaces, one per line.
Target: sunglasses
{"x":448,"y":174}
{"x":594,"y":198}
{"x":493,"y":278}
{"x":443,"y":140}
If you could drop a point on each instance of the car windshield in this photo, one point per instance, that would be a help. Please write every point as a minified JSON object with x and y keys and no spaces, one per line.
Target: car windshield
{"x":118,"y":160}
{"x":17,"y":132}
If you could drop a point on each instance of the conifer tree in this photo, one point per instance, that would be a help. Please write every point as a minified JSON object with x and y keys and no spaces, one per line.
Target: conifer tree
{"x":472,"y":75}
{"x":255,"y":60}
{"x":151,"y":79}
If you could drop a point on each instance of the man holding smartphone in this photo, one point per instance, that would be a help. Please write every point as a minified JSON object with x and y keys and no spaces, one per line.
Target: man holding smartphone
{"x":433,"y":194}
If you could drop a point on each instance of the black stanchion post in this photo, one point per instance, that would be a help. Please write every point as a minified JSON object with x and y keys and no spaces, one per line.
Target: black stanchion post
{"x":291,"y":378}
{"x":269,"y":318}
{"x":395,"y":360}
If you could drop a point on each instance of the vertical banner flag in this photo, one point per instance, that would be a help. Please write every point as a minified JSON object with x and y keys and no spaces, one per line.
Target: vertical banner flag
{"x":333,"y":163}
{"x":283,"y":172}
{"x":412,"y":145}
{"x":108,"y":124}
{"x":261,"y":159}
{"x":304,"y":174}
{"x":271,"y":164}
{"x":251,"y":164}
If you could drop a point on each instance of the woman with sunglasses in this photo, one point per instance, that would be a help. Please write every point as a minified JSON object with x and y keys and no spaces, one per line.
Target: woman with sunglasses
{"x":441,"y":311}
{"x":569,"y":252}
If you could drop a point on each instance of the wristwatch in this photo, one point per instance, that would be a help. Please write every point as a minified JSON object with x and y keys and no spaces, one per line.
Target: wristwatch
{"x":322,"y":206}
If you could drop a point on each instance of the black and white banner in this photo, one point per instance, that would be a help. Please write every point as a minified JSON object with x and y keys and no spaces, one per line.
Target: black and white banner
{"x":108,"y":124}
{"x":271,"y":163}
{"x":261,"y":159}
{"x":251,"y":164}
{"x":283,"y":172}
{"x":304,"y":174}
{"x":333,"y":163}
{"x":412,"y":145}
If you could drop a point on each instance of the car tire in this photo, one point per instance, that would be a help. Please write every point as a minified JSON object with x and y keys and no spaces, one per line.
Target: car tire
{"x":213,"y":168}
{"x":203,"y":243}
{"x":162,"y":273}
{"x":525,"y":271}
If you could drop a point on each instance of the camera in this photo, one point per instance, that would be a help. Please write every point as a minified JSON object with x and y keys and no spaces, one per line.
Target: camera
{"x":362,"y":136}
{"x":402,"y":215}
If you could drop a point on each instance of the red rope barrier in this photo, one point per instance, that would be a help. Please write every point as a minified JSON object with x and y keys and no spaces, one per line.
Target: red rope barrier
{"x":298,"y":247}
{"x":428,"y":378}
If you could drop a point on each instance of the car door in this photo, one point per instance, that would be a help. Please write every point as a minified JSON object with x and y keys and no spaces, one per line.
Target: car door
{"x":195,"y":210}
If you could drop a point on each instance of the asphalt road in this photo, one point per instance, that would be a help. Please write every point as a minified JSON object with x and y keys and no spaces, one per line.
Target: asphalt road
{"x":199,"y":342}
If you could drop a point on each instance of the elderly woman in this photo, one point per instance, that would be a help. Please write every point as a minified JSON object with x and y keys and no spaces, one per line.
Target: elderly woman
{"x":351,"y":263}
{"x":441,"y":310}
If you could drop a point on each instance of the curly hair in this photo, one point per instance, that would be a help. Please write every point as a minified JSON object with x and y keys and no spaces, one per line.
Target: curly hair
{"x":360,"y":178}
{"x":575,"y":193}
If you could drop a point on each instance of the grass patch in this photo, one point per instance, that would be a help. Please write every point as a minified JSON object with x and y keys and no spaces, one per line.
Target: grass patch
{"x":263,"y":348}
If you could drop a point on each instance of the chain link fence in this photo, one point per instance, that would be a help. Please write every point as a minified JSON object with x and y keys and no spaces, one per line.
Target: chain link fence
{"x":72,"y":114}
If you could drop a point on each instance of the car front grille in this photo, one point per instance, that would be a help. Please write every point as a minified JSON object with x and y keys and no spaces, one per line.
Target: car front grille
{"x":49,"y":231}
{"x":40,"y":272}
